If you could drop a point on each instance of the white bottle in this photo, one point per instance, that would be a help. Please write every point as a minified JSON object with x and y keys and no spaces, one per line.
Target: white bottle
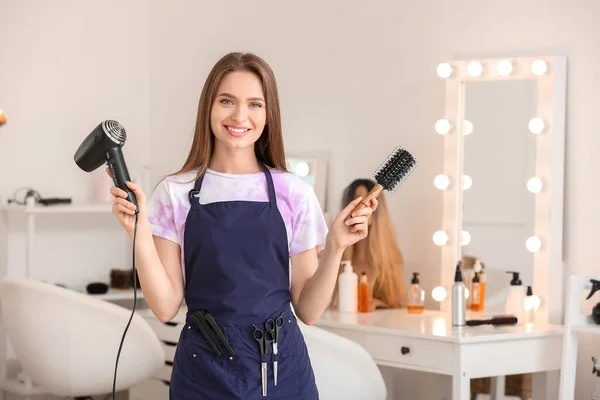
{"x":516,"y":298}
{"x":348,"y":289}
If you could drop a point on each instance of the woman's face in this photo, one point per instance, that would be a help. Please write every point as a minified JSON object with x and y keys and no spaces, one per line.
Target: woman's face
{"x":362,"y":191}
{"x":238,"y":114}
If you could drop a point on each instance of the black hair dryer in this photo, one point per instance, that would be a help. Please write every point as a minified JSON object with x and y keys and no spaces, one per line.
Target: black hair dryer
{"x":596,"y":309}
{"x":103,"y":145}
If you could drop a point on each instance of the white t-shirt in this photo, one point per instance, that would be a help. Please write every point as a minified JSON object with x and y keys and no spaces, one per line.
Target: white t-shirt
{"x":296,"y":200}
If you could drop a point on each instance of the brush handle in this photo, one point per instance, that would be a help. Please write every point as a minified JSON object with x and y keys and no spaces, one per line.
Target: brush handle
{"x":373,"y":194}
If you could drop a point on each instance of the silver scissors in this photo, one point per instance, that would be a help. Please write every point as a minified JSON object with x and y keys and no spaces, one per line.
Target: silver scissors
{"x":264,"y":339}
{"x":273,"y":326}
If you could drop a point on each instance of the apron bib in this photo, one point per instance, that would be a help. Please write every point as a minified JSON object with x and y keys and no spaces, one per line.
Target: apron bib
{"x":237,"y":269}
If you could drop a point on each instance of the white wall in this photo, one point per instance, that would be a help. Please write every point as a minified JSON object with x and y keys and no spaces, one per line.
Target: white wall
{"x":356,"y":79}
{"x":65,"y":67}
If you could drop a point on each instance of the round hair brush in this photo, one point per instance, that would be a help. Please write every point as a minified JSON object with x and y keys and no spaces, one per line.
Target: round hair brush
{"x":390,"y":174}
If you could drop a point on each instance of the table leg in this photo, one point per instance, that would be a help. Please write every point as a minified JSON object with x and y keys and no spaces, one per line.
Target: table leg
{"x":497,"y":387}
{"x":461,"y":387}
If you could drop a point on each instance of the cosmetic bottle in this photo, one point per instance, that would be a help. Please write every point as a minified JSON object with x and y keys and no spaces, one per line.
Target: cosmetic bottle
{"x":516,"y":297}
{"x":475,"y":293}
{"x":528,"y":307}
{"x":416,"y":296}
{"x":458,"y":298}
{"x":348,"y":289}
{"x":363,"y":293}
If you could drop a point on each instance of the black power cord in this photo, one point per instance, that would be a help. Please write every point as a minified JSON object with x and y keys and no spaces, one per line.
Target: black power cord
{"x":132,"y":311}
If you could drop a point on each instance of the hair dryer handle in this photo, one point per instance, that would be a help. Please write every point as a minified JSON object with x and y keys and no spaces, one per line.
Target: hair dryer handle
{"x":118,"y":169}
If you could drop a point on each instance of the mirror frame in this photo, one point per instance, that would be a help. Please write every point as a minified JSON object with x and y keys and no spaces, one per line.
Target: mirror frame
{"x":548,"y":271}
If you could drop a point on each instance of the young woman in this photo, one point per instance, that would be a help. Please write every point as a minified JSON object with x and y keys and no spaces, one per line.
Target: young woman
{"x":220,"y":234}
{"x":378,"y":255}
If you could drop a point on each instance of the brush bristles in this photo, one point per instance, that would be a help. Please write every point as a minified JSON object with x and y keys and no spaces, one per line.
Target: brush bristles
{"x":395,"y":169}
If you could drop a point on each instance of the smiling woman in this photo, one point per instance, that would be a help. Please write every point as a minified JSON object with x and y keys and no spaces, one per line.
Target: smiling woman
{"x":236,"y":235}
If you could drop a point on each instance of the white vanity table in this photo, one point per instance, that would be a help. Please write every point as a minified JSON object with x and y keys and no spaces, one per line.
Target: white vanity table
{"x":428,"y":342}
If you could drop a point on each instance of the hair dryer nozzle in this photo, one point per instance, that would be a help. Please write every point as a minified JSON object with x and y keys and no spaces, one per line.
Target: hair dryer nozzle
{"x":595,"y":287}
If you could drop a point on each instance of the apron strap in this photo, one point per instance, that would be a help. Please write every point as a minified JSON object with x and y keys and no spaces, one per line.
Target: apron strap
{"x":272,"y":198}
{"x":192,"y":195}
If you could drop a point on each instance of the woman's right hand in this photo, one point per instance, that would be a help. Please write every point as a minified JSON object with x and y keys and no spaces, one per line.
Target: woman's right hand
{"x":124,"y":210}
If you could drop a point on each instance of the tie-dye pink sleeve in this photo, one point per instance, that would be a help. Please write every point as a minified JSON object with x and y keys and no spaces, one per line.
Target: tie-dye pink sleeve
{"x":160,"y":213}
{"x":309,"y":229}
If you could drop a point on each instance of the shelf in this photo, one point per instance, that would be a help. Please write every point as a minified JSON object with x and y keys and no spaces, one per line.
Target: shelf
{"x":118,"y":294}
{"x":586,"y":328}
{"x":81,"y":208}
{"x":17,"y":387}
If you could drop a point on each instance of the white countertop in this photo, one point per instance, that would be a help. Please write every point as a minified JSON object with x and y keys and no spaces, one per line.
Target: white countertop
{"x":434,"y":325}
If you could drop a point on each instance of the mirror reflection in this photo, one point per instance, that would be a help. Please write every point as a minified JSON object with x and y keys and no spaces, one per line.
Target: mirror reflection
{"x":498,"y":160}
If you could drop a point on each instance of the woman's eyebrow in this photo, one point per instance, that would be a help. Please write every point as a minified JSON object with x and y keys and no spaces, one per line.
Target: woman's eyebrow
{"x":233,"y":97}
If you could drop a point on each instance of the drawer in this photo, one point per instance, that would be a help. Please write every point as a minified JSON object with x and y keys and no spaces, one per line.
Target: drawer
{"x":150,"y":389}
{"x":163,"y":373}
{"x":169,"y":331}
{"x":426,"y":354}
{"x":169,"y":350}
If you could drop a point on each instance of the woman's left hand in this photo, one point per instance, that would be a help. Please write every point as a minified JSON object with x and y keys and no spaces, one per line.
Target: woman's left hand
{"x":346,"y":231}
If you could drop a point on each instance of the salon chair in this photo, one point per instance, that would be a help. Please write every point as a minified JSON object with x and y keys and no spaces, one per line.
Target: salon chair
{"x":66,"y":342}
{"x":343,"y":369}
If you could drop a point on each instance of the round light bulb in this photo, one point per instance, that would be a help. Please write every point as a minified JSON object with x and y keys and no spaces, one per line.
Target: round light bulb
{"x":536,"y":301}
{"x":536,"y":125}
{"x":467,"y":128}
{"x":302,"y":169}
{"x":442,"y":126}
{"x":441,"y":182}
{"x":467,"y":182}
{"x":444,"y":70}
{"x":438,"y":293}
{"x":440,"y":238}
{"x":465,"y":238}
{"x":539,"y":67}
{"x":533,"y":244}
{"x":504,"y":68}
{"x":474,"y":69}
{"x":466,"y":293}
{"x":535,"y":185}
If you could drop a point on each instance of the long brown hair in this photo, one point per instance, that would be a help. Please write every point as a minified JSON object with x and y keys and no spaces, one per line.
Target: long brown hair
{"x":383,"y":252}
{"x":269,"y":146}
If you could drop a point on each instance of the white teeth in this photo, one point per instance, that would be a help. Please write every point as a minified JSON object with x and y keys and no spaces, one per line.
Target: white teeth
{"x":237,"y":130}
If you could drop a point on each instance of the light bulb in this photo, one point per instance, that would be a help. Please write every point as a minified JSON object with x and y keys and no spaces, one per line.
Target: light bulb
{"x":444,"y":70}
{"x":533,"y":244}
{"x":504,"y":68}
{"x":536,"y":301}
{"x":528,"y":303}
{"x":440,"y":238}
{"x":466,"y":293}
{"x":467,"y":128}
{"x":536,"y":125}
{"x":539,"y":67}
{"x":474,"y":69}
{"x":442,"y":126}
{"x":534,"y":185}
{"x":438,"y":293}
{"x":441,"y":182}
{"x":465,"y":238}
{"x":467,"y":182}
{"x":302,"y":169}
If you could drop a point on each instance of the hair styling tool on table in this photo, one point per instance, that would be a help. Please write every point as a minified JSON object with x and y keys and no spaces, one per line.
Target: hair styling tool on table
{"x":497,"y":320}
{"x":390,"y":174}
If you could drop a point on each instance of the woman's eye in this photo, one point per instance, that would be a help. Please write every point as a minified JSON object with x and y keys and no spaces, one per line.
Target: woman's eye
{"x":226,"y":101}
{"x":256,"y":105}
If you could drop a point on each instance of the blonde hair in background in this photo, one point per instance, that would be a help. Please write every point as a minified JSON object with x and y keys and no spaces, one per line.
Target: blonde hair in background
{"x":384,"y":254}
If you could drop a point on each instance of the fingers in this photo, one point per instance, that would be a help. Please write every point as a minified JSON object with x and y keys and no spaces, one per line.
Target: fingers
{"x":118,"y":193}
{"x":356,"y":220}
{"x":374,"y":204}
{"x":348,"y":209}
{"x":123,"y":206}
{"x":137,"y":190}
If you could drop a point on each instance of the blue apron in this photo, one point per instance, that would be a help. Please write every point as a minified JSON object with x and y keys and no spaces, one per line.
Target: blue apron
{"x":237,"y":269}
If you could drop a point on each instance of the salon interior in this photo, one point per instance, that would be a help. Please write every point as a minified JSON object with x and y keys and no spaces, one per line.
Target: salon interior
{"x":495,"y":100}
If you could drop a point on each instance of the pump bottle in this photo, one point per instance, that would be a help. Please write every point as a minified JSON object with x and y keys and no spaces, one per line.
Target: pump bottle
{"x":458,"y":298}
{"x":348,"y":289}
{"x":516,"y":297}
{"x":416,"y":296}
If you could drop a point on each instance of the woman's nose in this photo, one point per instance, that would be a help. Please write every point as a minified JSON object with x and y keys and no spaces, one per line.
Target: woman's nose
{"x":239,"y":115}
